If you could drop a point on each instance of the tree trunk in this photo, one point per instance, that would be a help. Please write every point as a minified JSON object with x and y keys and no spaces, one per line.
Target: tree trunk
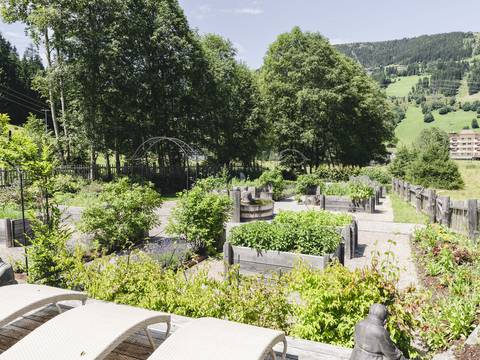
{"x":107,"y":163}
{"x":62,"y":104}
{"x":93,"y":164}
{"x":50,"y":95}
{"x":117,"y":158}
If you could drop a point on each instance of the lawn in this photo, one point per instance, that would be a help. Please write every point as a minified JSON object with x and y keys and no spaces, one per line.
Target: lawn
{"x":404,"y":212}
{"x":470,"y":171}
{"x":402,"y":86}
{"x":408,"y":130}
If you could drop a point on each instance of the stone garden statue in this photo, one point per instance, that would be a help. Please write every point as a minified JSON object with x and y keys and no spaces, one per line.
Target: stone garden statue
{"x":372,"y":340}
{"x":7,"y":277}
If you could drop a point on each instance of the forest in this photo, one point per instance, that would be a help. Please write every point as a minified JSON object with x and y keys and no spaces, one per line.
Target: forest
{"x":119,"y":72}
{"x":423,"y":49}
{"x":18,"y":96}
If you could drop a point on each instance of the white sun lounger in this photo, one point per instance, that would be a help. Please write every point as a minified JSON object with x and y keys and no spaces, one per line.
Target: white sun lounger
{"x":17,"y":300}
{"x":87,"y":332}
{"x":214,"y":339}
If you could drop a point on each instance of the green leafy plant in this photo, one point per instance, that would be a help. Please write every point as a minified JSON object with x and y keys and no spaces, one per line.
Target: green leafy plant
{"x":307,"y":184}
{"x":308,"y":232}
{"x":336,"y":189}
{"x":337,"y":173}
{"x":199,"y":218}
{"x":67,"y":184}
{"x":273,"y":179}
{"x":138,"y":280}
{"x":359,"y":191}
{"x":122,"y":217}
{"x":380,"y":174}
{"x":48,"y":256}
{"x":334,"y":300}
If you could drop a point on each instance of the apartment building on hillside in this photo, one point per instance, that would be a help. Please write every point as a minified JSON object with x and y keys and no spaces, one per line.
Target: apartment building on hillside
{"x":465,"y":145}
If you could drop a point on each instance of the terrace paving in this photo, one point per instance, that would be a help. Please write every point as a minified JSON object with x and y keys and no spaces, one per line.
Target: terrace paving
{"x":378,"y":234}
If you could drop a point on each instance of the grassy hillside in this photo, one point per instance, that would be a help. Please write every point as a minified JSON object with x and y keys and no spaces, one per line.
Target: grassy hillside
{"x":402,"y":86}
{"x":470,"y":171}
{"x":463,"y":95}
{"x":408,"y":130}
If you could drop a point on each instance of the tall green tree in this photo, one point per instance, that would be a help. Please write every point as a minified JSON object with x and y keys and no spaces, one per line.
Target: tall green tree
{"x":323,"y":104}
{"x":236,"y":121}
{"x":41,"y":18}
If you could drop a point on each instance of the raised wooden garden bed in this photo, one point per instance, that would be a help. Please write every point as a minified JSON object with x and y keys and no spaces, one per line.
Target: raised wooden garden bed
{"x":252,"y":260}
{"x":268,"y":261}
{"x":341,"y":203}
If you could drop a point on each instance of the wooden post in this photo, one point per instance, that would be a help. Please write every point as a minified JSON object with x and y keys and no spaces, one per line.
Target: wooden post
{"x":235,"y":195}
{"x":418,"y":201}
{"x":227,"y":256}
{"x":409,"y":193}
{"x":347,"y":239}
{"x":432,"y":205}
{"x":472,"y":213}
{"x":445,"y":215}
{"x":322,"y":202}
{"x":355,"y":235}
{"x":372,"y":205}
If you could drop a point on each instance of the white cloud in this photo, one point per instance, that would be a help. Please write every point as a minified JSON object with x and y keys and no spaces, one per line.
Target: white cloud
{"x":248,"y":11}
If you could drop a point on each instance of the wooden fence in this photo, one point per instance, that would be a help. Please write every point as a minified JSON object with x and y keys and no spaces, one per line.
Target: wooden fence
{"x":460,"y":216}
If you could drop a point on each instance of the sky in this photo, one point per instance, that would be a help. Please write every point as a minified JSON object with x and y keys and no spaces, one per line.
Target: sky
{"x":252,"y":25}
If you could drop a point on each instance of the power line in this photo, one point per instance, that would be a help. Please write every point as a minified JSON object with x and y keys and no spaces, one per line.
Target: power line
{"x":26,"y":96}
{"x":2,"y":92}
{"x":23,"y":105}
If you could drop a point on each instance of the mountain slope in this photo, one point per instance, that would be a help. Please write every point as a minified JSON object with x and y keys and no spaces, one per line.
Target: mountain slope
{"x":426,"y":48}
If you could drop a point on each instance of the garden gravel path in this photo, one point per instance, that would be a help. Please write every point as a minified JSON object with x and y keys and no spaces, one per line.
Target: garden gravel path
{"x":377,"y":233}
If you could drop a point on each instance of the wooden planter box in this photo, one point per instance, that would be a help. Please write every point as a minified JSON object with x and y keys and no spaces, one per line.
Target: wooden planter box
{"x":343,"y":203}
{"x":267,"y":261}
{"x":11,"y":232}
{"x":252,"y":260}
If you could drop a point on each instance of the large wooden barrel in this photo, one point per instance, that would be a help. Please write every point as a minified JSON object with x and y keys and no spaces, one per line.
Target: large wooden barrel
{"x":260,"y":210}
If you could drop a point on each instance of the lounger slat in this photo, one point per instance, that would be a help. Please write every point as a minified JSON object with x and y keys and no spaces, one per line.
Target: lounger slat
{"x":214,"y":339}
{"x":17,"y":300}
{"x":87,"y":332}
